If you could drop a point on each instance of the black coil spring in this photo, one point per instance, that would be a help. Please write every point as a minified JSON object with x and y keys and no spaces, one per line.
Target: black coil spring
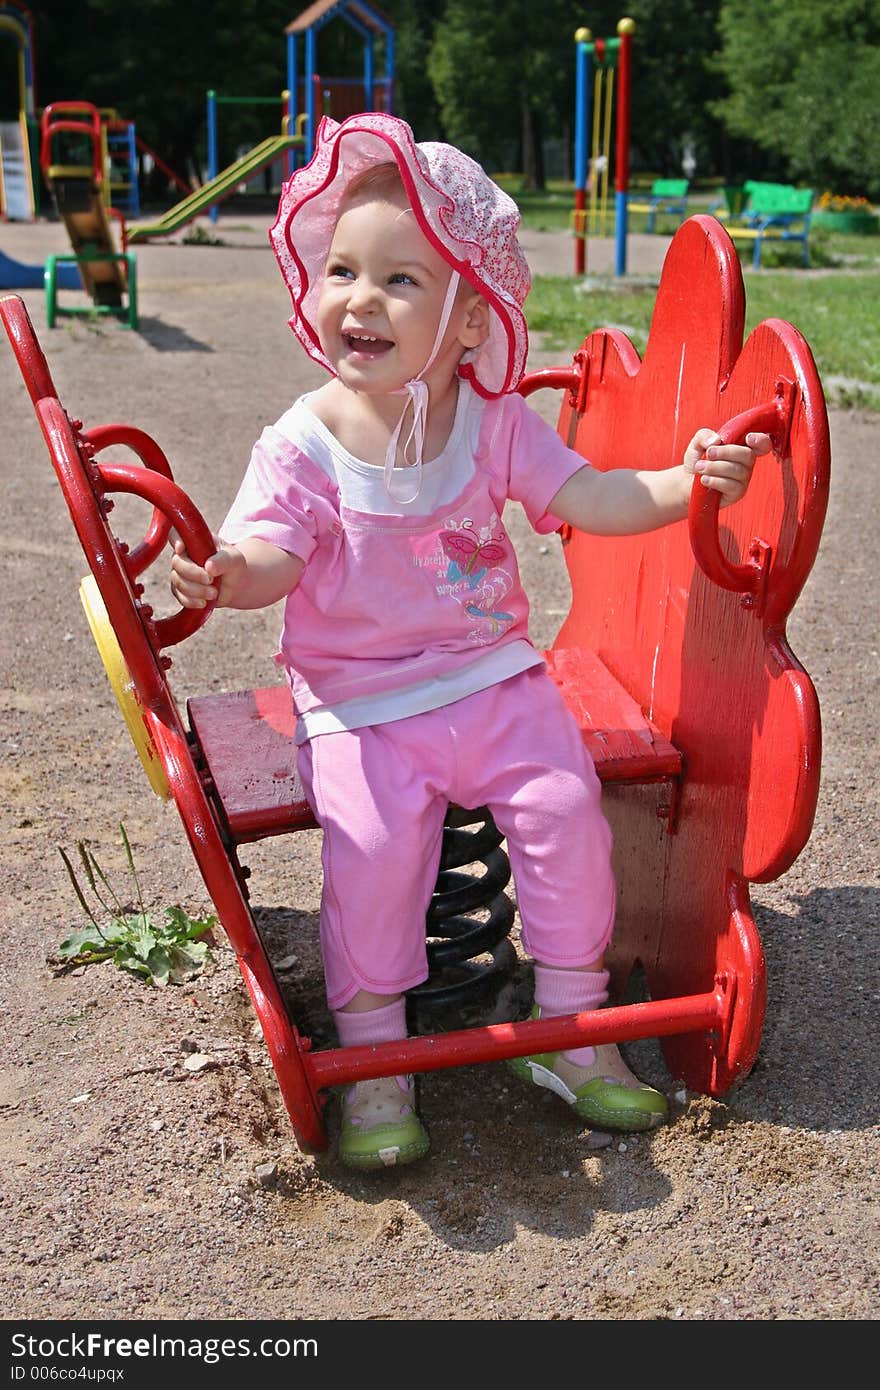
{"x":469,"y":916}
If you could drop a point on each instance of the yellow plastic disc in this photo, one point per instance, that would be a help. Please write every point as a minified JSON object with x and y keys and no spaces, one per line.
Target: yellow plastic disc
{"x":122,"y":685}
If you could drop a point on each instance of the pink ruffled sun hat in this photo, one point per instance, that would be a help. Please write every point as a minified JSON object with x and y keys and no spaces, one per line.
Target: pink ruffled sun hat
{"x":468,"y":219}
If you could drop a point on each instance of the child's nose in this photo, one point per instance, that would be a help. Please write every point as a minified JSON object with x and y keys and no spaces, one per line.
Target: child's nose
{"x":363,"y":295}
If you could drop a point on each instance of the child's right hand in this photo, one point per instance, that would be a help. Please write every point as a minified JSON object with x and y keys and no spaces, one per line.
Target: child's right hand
{"x":194,"y":586}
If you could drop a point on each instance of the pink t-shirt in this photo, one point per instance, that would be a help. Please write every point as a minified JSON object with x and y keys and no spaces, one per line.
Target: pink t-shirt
{"x":391,"y":599}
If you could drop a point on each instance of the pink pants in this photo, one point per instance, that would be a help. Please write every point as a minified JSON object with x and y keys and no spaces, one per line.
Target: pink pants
{"x":380,"y":795}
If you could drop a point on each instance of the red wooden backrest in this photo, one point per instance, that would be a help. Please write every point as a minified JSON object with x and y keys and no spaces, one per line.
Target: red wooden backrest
{"x":710,"y":666}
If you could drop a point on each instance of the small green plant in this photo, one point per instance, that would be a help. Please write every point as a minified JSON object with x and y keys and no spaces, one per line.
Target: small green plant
{"x":167,"y":952}
{"x":196,"y":235}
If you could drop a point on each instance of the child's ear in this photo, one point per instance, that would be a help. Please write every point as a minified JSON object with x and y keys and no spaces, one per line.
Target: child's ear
{"x":475,"y":322}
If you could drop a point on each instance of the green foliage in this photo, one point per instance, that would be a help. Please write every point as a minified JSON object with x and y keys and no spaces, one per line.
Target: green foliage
{"x":197,"y":235}
{"x":415,"y":98}
{"x":674,"y":81}
{"x":803,"y":78}
{"x":166,"y":952}
{"x":476,"y":38}
{"x":490,"y":84}
{"x":504,"y":78}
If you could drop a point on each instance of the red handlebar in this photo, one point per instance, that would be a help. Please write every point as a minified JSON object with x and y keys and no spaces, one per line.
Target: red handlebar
{"x":773,"y":418}
{"x":146,"y":448}
{"x":28,"y":353}
{"x":181,"y":513}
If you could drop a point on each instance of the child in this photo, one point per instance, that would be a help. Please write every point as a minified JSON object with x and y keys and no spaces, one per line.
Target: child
{"x":374,"y":507}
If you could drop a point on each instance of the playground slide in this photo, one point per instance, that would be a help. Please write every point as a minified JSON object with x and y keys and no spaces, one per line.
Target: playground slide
{"x":16,"y":188}
{"x":81,"y":208}
{"x":216,"y":189}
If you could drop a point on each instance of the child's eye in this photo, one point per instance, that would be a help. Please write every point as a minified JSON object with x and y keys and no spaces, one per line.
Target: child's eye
{"x":339,"y":272}
{"x":400,"y":277}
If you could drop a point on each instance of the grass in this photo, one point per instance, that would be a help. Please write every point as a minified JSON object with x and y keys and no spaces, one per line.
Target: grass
{"x":834,"y":315}
{"x":546,"y":211}
{"x":834,"y":310}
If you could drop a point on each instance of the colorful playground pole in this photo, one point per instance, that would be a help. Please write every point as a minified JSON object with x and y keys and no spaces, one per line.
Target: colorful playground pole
{"x":625,"y":29}
{"x":582,"y":106}
{"x":616,"y":52}
{"x":311,"y":113}
{"x":293,"y":95}
{"x":212,"y":142}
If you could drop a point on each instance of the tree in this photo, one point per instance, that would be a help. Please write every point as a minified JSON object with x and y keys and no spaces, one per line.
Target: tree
{"x":504,"y":77}
{"x":673,"y":83}
{"x":415,"y":23}
{"x":803,"y":78}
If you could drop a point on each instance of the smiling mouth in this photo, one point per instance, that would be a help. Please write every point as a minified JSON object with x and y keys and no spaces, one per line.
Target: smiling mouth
{"x":366,"y":344}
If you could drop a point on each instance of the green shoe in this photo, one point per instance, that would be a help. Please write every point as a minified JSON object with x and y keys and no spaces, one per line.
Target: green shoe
{"x":380,"y":1127}
{"x":606,"y":1095}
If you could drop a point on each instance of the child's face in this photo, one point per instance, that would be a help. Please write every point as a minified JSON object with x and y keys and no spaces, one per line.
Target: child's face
{"x":382,"y":299}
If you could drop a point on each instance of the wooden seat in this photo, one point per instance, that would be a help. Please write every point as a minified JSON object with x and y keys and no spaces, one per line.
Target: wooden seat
{"x":246,"y":740}
{"x":623,"y":743}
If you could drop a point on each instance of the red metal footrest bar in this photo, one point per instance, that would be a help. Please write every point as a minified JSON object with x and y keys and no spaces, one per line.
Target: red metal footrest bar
{"x":697,"y":1013}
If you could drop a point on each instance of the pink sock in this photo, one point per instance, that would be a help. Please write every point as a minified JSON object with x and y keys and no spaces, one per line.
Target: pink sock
{"x":387,"y":1024}
{"x":559,"y":992}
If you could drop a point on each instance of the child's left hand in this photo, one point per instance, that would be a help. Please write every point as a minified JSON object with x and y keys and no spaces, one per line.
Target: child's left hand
{"x":726,"y":468}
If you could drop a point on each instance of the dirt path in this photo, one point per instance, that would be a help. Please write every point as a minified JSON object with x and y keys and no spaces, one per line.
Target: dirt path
{"x":136,"y":1188}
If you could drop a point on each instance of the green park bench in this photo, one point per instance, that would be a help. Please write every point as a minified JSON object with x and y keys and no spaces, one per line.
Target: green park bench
{"x":667,"y":195}
{"x":770,"y":212}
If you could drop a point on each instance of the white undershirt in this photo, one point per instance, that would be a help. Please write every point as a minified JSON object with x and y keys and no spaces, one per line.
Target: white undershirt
{"x":362,"y":485}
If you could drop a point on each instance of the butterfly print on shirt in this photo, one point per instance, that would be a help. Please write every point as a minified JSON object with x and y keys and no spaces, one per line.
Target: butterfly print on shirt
{"x":469,"y":557}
